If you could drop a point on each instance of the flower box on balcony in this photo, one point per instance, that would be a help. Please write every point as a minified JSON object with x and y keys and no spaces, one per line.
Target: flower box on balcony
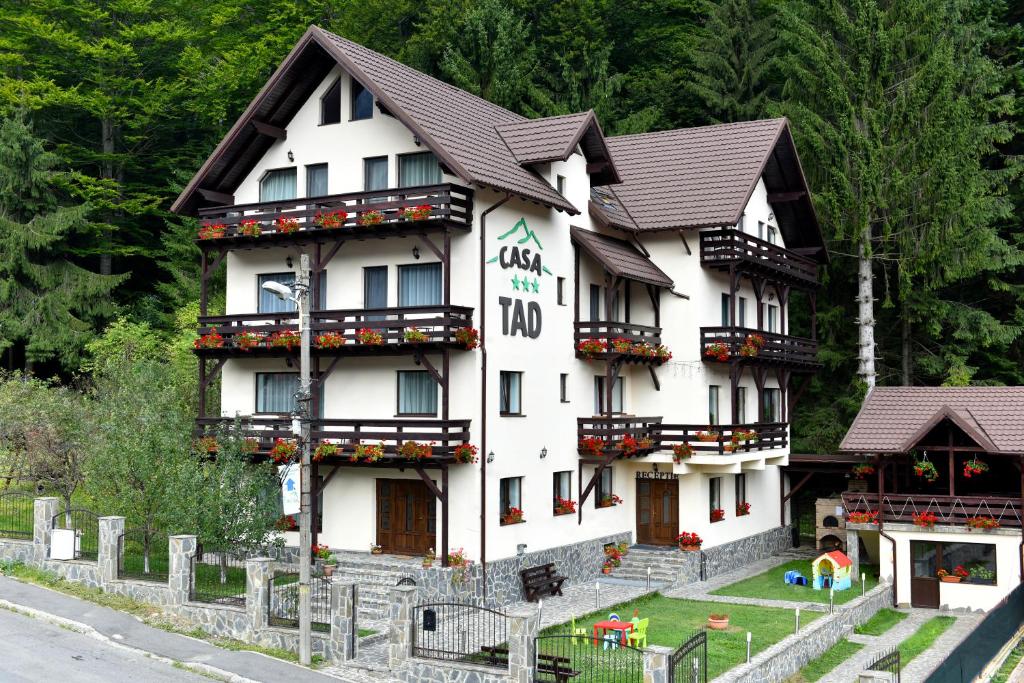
{"x":250,"y":228}
{"x":369,"y":337}
{"x":286,"y":226}
{"x":468,"y":337}
{"x":417,"y":213}
{"x":286,"y":339}
{"x":330,"y":340}
{"x":465,"y":453}
{"x":372,"y":217}
{"x":248,"y":340}
{"x":210,"y":340}
{"x":416,"y":450}
{"x":212,"y":231}
{"x":718,"y":351}
{"x":414,"y":335}
{"x":365,"y":452}
{"x":330,"y":219}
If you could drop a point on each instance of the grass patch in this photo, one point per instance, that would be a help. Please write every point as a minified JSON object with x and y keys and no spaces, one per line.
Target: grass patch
{"x":883,"y":620}
{"x":829,"y":660}
{"x":769,"y":585}
{"x":1003,"y":675}
{"x":923,"y":638}
{"x":363,"y":632}
{"x":674,"y":620}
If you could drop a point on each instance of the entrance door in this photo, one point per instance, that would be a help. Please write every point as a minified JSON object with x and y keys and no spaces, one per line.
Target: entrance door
{"x":406,"y":516}
{"x":924,"y":563}
{"x":657,"y":511}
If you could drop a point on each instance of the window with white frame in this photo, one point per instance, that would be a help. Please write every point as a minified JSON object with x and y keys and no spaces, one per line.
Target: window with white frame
{"x":726,"y":300}
{"x":741,"y":404}
{"x":419,"y":284}
{"x":772,"y":316}
{"x":375,"y":173}
{"x":275,"y":392}
{"x":563,"y":387}
{"x":510,"y":495}
{"x":417,"y":393}
{"x":278,"y":185}
{"x":561,"y":486}
{"x":772,"y":405}
{"x":714,"y":496}
{"x":418,"y":169}
{"x":316,"y":180}
{"x":713,"y":414}
{"x":604,"y":492}
{"x":600,"y":395}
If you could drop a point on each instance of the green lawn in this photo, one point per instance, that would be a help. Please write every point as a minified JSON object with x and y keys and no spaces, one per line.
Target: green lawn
{"x":883,"y":620}
{"x":829,"y":660}
{"x":923,"y":638}
{"x":673,"y":621}
{"x":770,"y":586}
{"x":1003,"y":675}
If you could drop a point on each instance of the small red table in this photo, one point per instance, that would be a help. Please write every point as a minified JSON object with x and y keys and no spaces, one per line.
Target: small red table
{"x":624,"y":627}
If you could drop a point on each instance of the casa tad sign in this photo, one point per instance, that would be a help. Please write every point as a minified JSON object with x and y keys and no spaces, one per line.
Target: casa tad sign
{"x":521,"y":254}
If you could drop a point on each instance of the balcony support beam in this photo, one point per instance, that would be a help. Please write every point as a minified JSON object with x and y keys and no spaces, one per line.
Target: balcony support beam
{"x":798,"y":392}
{"x":654,"y":378}
{"x":442,"y":496}
{"x":322,"y":262}
{"x":591,"y":485}
{"x":269,"y":130}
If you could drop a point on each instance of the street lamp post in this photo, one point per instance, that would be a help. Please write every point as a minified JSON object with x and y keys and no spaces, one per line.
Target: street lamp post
{"x":301,"y":428}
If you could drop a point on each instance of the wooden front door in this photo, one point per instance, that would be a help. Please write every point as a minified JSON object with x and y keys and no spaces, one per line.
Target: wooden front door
{"x":924,"y":563}
{"x":406,"y":516}
{"x":657,"y":511}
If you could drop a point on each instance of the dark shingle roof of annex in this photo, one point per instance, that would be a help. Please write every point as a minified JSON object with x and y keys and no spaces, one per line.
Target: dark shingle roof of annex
{"x":620,"y":258}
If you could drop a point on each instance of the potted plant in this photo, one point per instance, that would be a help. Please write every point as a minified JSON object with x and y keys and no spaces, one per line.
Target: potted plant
{"x":284,"y":450}
{"x":621,"y":345}
{"x":680,"y":451}
{"x":465,"y":453}
{"x":717,"y":515}
{"x":416,"y":450}
{"x":329,"y":340}
{"x":415,"y":336}
{"x":207,"y":444}
{"x":610,"y":500}
{"x":752,"y":345}
{"x":589,"y":348}
{"x":718,"y":622}
{"x":708,"y":436}
{"x":428,"y":559}
{"x":331,"y":219}
{"x":974,"y":467}
{"x":286,"y":523}
{"x":248,"y":339}
{"x":606,"y":568}
{"x":212,"y":231}
{"x":376,"y":549}
{"x":628,"y":445}
{"x":210,"y":340}
{"x":862,"y":517}
{"x":367,"y":452}
{"x":982,"y":574}
{"x":642,"y":350}
{"x":742,"y":509}
{"x":925,"y":520}
{"x":417,"y":213}
{"x":460,"y":566}
{"x":513,"y":515}
{"x":689,"y":541}
{"x":564,"y":506}
{"x":285,"y":339}
{"x":286,"y":226}
{"x":371,"y":217}
{"x":983,"y":523}
{"x":717,"y":350}
{"x":623,"y":548}
{"x":330,"y":562}
{"x":250,"y":228}
{"x":645,"y":443}
{"x":321,"y":553}
{"x":369,"y":337}
{"x":926,"y":470}
{"x":863,"y":470}
{"x":468,"y":337}
{"x":592,"y":444}
{"x":662,"y":353}
{"x":250,"y":445}
{"x":325,"y":449}
{"x":956,"y":576}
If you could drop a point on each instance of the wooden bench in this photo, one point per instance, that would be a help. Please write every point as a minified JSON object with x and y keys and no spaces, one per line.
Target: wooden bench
{"x":541,"y":581}
{"x":560,"y":668}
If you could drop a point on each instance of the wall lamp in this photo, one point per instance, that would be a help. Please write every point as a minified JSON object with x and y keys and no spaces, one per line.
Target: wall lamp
{"x":291,"y":156}
{"x":543,"y":452}
{"x":416,"y":253}
{"x":490,"y":457}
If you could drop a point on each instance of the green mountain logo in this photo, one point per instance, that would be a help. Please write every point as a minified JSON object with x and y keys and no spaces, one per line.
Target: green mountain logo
{"x":527,"y":234}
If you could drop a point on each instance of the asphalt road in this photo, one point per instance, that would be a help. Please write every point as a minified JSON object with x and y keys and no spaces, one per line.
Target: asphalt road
{"x":35,"y":650}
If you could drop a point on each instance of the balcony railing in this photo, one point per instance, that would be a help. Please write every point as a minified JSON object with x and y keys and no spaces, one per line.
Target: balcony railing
{"x":628,"y":341}
{"x":779,"y":349}
{"x":951,"y":510}
{"x":438,"y":324}
{"x":606,"y":435}
{"x":729,"y":246}
{"x":366,"y":213}
{"x":445,"y":435}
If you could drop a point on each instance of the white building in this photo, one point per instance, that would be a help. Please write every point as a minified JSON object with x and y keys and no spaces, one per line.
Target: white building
{"x":541,"y":234}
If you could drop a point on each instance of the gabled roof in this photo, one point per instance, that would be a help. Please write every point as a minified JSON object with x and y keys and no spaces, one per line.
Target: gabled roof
{"x":703,"y":177}
{"x":620,"y":258}
{"x":460,"y":128}
{"x":554,"y":138}
{"x":838,"y":558}
{"x":895,"y":419}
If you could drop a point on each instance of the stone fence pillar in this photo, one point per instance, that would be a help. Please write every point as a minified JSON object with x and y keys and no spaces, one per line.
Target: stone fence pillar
{"x":181,"y":551}
{"x":523,"y":625}
{"x":43,"y":510}
{"x":344,"y":603}
{"x":401,"y":618}
{"x":257,"y":575}
{"x":111,"y":529}
{"x":656,"y":664}
{"x":853,"y":552}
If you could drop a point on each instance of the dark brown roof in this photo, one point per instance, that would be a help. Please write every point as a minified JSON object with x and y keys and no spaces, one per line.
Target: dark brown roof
{"x":895,"y":419}
{"x":704,"y":177}
{"x":552,"y":138}
{"x":458,"y":127}
{"x":620,"y":258}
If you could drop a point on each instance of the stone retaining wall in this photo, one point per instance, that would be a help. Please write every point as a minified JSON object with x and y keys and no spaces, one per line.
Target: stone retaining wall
{"x":723,"y":558}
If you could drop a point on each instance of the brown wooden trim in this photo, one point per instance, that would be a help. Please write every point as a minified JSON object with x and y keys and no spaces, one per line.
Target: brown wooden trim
{"x":800,"y":485}
{"x":779,"y":197}
{"x":214,"y":196}
{"x":264,"y":128}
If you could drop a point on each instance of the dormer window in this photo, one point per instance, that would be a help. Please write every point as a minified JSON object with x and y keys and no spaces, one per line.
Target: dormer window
{"x":330,"y":104}
{"x":362,"y":102}
{"x":560,"y":184}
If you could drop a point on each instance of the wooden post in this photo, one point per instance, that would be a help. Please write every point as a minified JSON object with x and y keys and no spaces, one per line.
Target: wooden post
{"x":203,"y":285}
{"x":444,"y":515}
{"x":447,"y":268}
{"x":202,"y":387}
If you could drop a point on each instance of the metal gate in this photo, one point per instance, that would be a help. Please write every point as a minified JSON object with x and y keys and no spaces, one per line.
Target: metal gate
{"x":689,"y":663}
{"x":889,"y":663}
{"x":583,"y":659}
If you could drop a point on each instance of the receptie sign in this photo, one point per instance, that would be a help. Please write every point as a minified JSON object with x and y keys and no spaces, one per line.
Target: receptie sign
{"x":656,"y":475}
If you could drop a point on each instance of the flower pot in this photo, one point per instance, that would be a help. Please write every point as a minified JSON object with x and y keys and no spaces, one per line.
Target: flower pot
{"x":718,"y":624}
{"x":689,"y":548}
{"x":951,"y":579}
{"x":329,"y":569}
{"x":606,"y":570}
{"x":377,"y":551}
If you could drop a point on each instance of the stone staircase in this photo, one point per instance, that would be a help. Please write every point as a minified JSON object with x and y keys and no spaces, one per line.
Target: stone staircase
{"x":375,"y":575}
{"x":666,"y":565}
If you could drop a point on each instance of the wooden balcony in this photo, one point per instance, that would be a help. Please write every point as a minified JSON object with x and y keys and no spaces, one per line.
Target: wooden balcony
{"x":600,"y":437}
{"x":777,"y":349}
{"x":636,"y":343}
{"x":445,"y":435}
{"x":438,"y":323}
{"x":949,"y":510}
{"x":450,"y":206}
{"x":729,"y":247}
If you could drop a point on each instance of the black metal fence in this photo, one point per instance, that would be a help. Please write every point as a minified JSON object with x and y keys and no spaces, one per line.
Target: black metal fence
{"x":689,"y":663}
{"x":86,"y":525}
{"x":143,"y":554}
{"x":16,"y":515}
{"x":968,"y":659}
{"x":218,"y":576}
{"x":459,"y":632}
{"x":283,"y":601}
{"x":581,"y":659}
{"x":889,"y":662}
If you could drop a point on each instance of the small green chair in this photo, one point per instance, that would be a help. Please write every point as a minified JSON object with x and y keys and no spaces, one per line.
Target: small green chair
{"x":638,"y":638}
{"x":578,"y":631}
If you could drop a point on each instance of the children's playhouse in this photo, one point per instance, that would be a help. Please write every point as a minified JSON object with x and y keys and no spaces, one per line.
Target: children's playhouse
{"x":832,"y":571}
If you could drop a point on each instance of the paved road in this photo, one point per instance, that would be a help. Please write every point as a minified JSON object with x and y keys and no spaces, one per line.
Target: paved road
{"x":35,"y":650}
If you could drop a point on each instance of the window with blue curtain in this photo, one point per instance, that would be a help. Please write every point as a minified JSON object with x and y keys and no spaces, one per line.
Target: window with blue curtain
{"x":418,"y":169}
{"x":268,"y":301}
{"x":362,"y":102}
{"x":510,"y":397}
{"x":275,"y":392}
{"x":375,"y":173}
{"x":419,"y":284}
{"x":316,"y":180}
{"x":417,"y":393}
{"x":278,"y":185}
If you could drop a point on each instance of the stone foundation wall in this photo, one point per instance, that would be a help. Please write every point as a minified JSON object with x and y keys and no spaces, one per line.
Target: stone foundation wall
{"x":16,"y":551}
{"x":726,"y":557}
{"x":425,"y":671}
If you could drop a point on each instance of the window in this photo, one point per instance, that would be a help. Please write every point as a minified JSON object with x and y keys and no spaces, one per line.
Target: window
{"x":375,"y":287}
{"x":741,"y":489}
{"x":561,"y":486}
{"x":760,"y":230}
{"x":741,"y":311}
{"x":563,"y":387}
{"x":316,"y":180}
{"x":714,"y":493}
{"x":599,"y":395}
{"x":375,"y":173}
{"x":510,"y":495}
{"x":560,"y":184}
{"x":418,"y":169}
{"x":417,"y":393}
{"x":741,"y":405}
{"x":772,"y":405}
{"x":511,"y":393}
{"x":595,"y":302}
{"x":268,"y":302}
{"x":979,"y":559}
{"x":772,"y":314}
{"x":278,"y":185}
{"x":713,"y":413}
{"x":419,"y":284}
{"x":772,"y":235}
{"x":560,"y":283}
{"x":362,"y":102}
{"x":725,"y":309}
{"x":603,"y":491}
{"x":275,"y":392}
{"x":330,"y":105}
